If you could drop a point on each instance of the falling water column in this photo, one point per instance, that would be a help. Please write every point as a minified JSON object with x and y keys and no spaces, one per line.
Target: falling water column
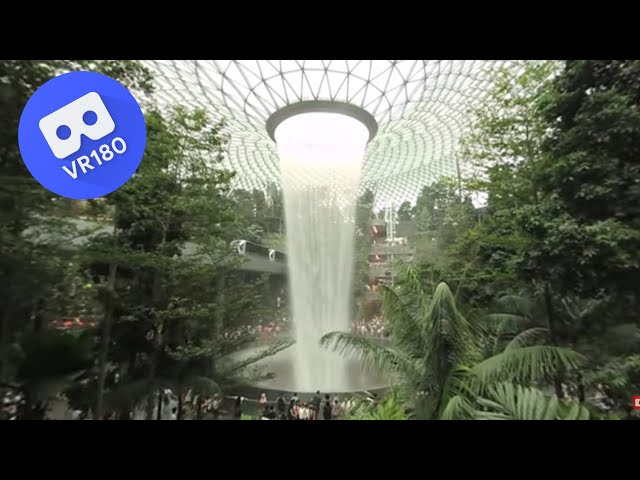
{"x":320,"y":162}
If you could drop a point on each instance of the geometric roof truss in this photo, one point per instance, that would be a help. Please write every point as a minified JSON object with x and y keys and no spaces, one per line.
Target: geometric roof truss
{"x":420,"y":107}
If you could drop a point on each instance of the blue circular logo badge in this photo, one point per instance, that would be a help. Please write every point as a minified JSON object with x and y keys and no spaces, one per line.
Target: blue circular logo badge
{"x":82,"y":135}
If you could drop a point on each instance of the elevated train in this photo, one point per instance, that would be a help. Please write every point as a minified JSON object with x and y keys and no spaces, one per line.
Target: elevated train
{"x":245,"y":247}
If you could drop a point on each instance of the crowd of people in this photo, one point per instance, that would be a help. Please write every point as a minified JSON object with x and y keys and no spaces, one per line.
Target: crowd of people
{"x":318,"y":407}
{"x":15,"y":406}
{"x":194,"y":407}
{"x":11,"y":402}
{"x":201,"y":407}
{"x":372,"y":328}
{"x":264,"y":330}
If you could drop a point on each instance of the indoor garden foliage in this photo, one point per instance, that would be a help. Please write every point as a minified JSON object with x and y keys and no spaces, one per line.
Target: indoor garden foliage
{"x":523,"y":307}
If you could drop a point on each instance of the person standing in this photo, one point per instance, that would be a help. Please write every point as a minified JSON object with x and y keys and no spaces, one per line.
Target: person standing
{"x":271,"y":413}
{"x":336,"y":409}
{"x":326,"y":411}
{"x":237,"y":407}
{"x":281,"y":405}
{"x":316,"y":400}
{"x":292,"y":414}
{"x":263,"y":403}
{"x":216,"y":404}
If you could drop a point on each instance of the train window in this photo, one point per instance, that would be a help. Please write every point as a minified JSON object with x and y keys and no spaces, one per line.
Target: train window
{"x":257,"y":249}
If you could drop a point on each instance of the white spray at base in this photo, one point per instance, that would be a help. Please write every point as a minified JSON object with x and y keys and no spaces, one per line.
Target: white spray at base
{"x":320,"y":163}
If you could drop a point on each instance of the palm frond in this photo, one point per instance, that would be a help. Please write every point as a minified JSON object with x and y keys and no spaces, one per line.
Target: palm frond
{"x":617,"y":373}
{"x":463,"y":277}
{"x":481,"y":415}
{"x":409,"y":277}
{"x":443,"y":304}
{"x":449,"y":333}
{"x":516,"y":304}
{"x":369,"y":351}
{"x":391,"y":408}
{"x":575,"y":411}
{"x":529,"y":337}
{"x":458,"y":408}
{"x":515,"y":402}
{"x":458,"y":384}
{"x":501,"y":323}
{"x":527,"y":364}
{"x":578,"y":308}
{"x":404,"y":321}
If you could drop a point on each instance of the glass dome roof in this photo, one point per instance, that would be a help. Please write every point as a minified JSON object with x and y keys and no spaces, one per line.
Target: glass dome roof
{"x":420,"y":107}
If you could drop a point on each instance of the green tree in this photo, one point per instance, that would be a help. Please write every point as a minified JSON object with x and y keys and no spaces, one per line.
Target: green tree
{"x":176,"y":196}
{"x":441,"y":216}
{"x":505,"y":143}
{"x":247,"y":227}
{"x":589,"y":174}
{"x":404,"y":212}
{"x":364,"y":215}
{"x":555,"y":149}
{"x":33,"y":239}
{"x":259,"y":216}
{"x":275,"y":209}
{"x":166,"y":272}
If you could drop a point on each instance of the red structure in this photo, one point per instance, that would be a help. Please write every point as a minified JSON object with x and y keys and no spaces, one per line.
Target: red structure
{"x":66,"y":323}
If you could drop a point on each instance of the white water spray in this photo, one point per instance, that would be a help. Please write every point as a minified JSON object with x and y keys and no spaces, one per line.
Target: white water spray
{"x":320,"y":162}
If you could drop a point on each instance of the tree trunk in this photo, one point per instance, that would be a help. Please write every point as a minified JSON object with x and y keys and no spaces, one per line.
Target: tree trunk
{"x":106,"y":339}
{"x":38,"y":322}
{"x":581,"y":392}
{"x":199,"y":407}
{"x":459,"y":178}
{"x":553,"y":333}
{"x":160,"y":334}
{"x":152,"y":377}
{"x":160,"y":404}
{"x":159,"y":346}
{"x":4,"y":344}
{"x":152,"y":382}
{"x":132,"y":362}
{"x":180,"y":405}
{"x":219,"y":325}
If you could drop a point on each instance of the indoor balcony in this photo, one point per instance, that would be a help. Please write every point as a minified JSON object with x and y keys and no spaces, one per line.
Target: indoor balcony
{"x":391,"y":249}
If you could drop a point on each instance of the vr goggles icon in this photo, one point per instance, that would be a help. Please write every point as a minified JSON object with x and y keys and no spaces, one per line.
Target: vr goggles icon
{"x":63,"y":129}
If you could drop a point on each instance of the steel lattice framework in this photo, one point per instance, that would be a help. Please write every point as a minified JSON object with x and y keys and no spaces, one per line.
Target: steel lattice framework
{"x":420,"y":107}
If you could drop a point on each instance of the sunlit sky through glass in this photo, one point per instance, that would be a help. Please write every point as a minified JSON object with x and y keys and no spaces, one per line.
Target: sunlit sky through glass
{"x":420,"y":107}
